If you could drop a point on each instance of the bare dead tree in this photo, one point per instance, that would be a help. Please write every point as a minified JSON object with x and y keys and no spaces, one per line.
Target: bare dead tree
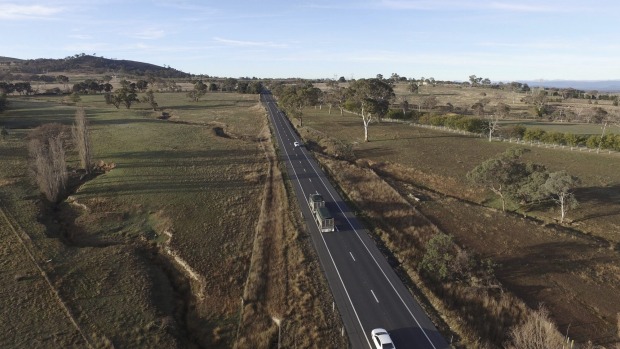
{"x":81,"y":139}
{"x":49,"y":166}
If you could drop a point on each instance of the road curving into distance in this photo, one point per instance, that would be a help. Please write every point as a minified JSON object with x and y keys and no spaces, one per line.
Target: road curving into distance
{"x":366,"y":290}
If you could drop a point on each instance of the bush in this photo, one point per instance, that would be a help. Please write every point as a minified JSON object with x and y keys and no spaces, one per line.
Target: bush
{"x":574,"y":140}
{"x":514,"y":131}
{"x":474,"y":125}
{"x":438,"y":120}
{"x":554,"y":138}
{"x":593,"y":141}
{"x":533,"y":134}
{"x":398,"y":114}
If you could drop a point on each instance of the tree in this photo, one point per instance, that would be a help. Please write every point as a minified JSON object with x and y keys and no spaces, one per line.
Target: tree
{"x":444,"y":260}
{"x":492,"y":125}
{"x":502,"y":174}
{"x":538,"y":101}
{"x":369,"y":97}
{"x":200,"y":89}
{"x":478,"y":109}
{"x":141,"y":85}
{"x":81,"y":139}
{"x":4,"y":103}
{"x":63,"y":79}
{"x":502,"y":110}
{"x":295,"y":98}
{"x":49,"y":165}
{"x":150,"y":99}
{"x":429,"y":102}
{"x":474,"y":80}
{"x":560,"y":187}
{"x":413,"y":87}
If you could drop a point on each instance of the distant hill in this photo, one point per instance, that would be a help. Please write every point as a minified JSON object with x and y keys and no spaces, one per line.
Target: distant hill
{"x":90,"y":64}
{"x":9,"y":59}
{"x":585,"y":85}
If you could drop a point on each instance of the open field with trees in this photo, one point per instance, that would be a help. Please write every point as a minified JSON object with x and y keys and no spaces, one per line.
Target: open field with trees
{"x":184,"y":215}
{"x":411,"y":183}
{"x":177,"y":182}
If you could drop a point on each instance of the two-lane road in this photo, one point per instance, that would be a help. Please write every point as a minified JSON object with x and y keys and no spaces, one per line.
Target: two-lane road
{"x":365,"y":288}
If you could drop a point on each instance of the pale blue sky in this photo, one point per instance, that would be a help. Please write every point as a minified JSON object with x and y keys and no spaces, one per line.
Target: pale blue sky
{"x":444,"y":39}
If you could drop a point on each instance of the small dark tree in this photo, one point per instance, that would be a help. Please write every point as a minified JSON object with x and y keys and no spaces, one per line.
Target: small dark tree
{"x":4,"y":103}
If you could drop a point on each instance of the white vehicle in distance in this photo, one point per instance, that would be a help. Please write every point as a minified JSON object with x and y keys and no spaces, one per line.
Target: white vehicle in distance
{"x":382,"y":339}
{"x":296,"y":144}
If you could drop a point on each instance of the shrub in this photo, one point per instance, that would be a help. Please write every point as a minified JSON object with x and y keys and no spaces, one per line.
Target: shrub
{"x":537,"y":332}
{"x":398,"y":114}
{"x":554,"y":138}
{"x":571,"y":139}
{"x":437,"y":120}
{"x":475,"y":125}
{"x":593,"y":141}
{"x":533,"y":134}
{"x":513,"y":131}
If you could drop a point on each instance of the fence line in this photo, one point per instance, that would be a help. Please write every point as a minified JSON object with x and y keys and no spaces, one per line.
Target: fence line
{"x":538,"y":144}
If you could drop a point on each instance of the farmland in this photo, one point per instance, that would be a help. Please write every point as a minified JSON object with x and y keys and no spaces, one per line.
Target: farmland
{"x":157,"y":251}
{"x":571,"y":268}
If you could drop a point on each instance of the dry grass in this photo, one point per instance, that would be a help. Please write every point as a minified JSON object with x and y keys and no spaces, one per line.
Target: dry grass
{"x":182,"y":201}
{"x":281,"y":282}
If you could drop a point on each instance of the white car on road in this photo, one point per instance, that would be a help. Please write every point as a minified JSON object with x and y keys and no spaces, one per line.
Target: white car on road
{"x":382,"y":339}
{"x":296,"y":144}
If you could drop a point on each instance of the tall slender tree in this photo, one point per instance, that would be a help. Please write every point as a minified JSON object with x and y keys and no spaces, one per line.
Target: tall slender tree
{"x":81,"y":139}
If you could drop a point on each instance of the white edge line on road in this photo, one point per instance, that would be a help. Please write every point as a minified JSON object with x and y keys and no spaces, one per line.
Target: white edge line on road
{"x":327,"y":248}
{"x":367,"y":249}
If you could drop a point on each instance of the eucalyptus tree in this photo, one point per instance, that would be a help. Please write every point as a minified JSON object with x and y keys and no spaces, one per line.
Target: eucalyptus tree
{"x":560,"y":186}
{"x":368,"y":98}
{"x":294,"y":98}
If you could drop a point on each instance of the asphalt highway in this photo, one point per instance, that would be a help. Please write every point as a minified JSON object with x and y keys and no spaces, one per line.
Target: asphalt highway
{"x":365,"y":288}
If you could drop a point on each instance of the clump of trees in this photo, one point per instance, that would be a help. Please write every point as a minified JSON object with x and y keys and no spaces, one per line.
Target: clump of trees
{"x":18,"y":87}
{"x":294,"y":98}
{"x":525,"y":184}
{"x":126,"y":95}
{"x":47,"y":148}
{"x":49,"y":166}
{"x":91,"y":87}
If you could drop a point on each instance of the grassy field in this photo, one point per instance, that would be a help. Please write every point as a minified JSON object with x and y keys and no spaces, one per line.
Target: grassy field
{"x":575,"y":275}
{"x":157,"y":251}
